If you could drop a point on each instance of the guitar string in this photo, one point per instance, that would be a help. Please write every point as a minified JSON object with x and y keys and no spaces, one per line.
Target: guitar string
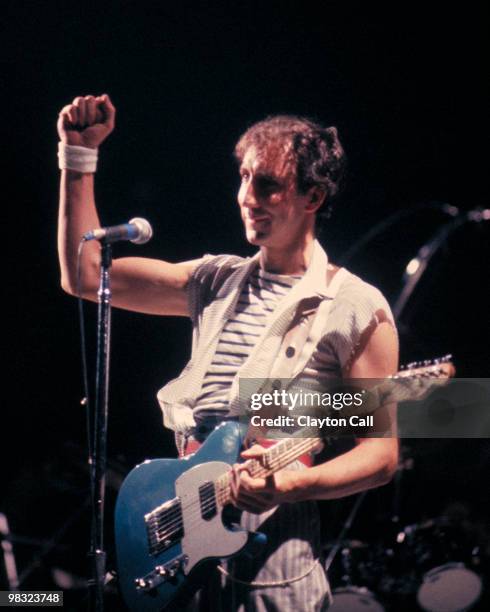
{"x":213,"y":493}
{"x":214,"y":498}
{"x":402,"y":375}
{"x":273,"y":462}
{"x":220,"y":493}
{"x":173,"y":523}
{"x":261,"y":472}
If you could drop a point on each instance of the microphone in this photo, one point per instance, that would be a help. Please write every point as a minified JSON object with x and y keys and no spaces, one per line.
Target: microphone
{"x":137,"y":230}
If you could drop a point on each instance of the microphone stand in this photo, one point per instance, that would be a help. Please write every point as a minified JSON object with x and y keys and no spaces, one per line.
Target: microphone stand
{"x":386,"y":223}
{"x":97,"y":554}
{"x":417,"y":266}
{"x":413,"y":273}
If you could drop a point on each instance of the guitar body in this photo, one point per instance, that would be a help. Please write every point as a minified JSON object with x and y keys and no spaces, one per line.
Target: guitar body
{"x":167,"y":523}
{"x":169,"y":512}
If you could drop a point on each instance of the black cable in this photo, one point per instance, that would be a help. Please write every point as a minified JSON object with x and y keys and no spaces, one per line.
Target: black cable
{"x":83,"y":349}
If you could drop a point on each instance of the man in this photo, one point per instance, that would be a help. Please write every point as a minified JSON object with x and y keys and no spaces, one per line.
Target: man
{"x":286,"y":313}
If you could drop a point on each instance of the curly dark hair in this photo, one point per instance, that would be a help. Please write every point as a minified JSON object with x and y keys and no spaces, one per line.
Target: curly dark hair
{"x":316,"y":153}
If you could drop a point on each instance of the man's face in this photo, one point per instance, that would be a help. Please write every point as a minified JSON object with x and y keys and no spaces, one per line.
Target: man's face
{"x":273,"y":212}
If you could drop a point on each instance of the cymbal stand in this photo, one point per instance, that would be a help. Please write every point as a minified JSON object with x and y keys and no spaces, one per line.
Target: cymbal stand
{"x":345,"y":528}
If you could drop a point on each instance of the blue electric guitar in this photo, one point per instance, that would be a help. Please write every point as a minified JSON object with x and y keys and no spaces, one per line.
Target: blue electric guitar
{"x":169,"y":512}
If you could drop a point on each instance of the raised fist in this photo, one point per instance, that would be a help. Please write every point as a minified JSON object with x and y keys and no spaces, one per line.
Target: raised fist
{"x":87,"y":121}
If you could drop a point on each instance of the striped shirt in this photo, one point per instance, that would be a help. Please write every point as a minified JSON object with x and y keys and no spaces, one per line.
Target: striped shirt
{"x":258,"y":299}
{"x":345,"y":307}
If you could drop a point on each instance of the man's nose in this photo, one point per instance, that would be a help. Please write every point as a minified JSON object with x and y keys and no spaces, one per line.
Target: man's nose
{"x":248,"y":197}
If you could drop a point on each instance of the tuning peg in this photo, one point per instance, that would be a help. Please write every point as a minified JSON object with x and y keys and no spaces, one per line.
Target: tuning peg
{"x":443,"y":359}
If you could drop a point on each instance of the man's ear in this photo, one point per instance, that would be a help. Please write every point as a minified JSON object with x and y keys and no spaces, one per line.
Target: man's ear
{"x":316,"y":196}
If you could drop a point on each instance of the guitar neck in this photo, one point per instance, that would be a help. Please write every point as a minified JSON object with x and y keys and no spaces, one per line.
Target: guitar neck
{"x":412,"y":383}
{"x":274,"y":459}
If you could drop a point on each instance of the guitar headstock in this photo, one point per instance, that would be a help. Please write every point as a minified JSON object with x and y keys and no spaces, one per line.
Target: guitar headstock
{"x":418,"y":378}
{"x":442,"y":367}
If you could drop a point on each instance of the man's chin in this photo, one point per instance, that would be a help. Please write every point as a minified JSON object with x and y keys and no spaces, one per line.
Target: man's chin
{"x":257,"y":238}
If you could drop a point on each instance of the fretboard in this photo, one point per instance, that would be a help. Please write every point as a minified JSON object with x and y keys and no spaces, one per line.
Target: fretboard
{"x":412,"y":383}
{"x":274,"y":459}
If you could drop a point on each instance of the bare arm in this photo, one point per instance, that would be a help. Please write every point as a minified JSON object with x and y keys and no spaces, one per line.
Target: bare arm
{"x":371,"y":463}
{"x":140,"y":284}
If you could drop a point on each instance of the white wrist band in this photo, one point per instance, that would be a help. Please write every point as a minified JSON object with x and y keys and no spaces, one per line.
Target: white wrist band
{"x":81,"y":159}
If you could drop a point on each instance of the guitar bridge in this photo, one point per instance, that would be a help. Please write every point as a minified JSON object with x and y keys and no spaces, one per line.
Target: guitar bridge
{"x":164,"y":526}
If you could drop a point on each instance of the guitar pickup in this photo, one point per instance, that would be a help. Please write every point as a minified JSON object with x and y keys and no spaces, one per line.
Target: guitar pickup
{"x":207,"y":500}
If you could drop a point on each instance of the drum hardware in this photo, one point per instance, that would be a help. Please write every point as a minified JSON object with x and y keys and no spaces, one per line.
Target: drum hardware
{"x":345,"y":528}
{"x":350,"y":598}
{"x":16,"y":580}
{"x":354,"y":599}
{"x":365,"y":567}
{"x":449,"y":588}
{"x":431,"y":565}
{"x":438,"y":554}
{"x":408,"y":558}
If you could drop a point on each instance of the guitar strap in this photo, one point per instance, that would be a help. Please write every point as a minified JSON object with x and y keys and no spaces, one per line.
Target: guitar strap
{"x":299,"y":341}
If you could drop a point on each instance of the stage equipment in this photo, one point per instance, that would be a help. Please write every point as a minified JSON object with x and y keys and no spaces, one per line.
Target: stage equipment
{"x":418,"y":264}
{"x":138,"y":231}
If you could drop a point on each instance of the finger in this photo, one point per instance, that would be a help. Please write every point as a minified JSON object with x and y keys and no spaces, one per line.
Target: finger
{"x":73,"y":115}
{"x":100,"y":113}
{"x":79,"y":104}
{"x":241,"y":467}
{"x":246,"y":466}
{"x":251,"y":484}
{"x":65,"y":109}
{"x":90,"y":106}
{"x":63,"y":117}
{"x":234,"y":485}
{"x":254,"y":451}
{"x":100,"y":116}
{"x":109,"y":109}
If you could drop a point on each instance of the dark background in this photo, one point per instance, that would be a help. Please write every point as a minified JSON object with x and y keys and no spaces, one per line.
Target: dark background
{"x":406,"y":88}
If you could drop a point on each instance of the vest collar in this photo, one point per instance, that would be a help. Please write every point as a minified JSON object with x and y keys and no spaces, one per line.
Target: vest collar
{"x":314,"y":281}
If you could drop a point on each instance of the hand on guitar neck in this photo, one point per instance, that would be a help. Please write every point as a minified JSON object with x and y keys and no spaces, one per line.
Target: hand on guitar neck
{"x":260,"y":493}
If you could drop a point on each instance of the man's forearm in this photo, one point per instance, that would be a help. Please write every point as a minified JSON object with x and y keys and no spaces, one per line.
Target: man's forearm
{"x":77,"y":215}
{"x":370,"y":464}
{"x":82,"y":125}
